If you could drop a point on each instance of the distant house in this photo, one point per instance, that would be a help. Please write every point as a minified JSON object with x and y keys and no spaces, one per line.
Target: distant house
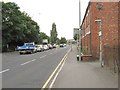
{"x":102,"y":15}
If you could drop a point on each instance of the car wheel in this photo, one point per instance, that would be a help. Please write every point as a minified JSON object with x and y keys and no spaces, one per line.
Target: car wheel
{"x":20,"y":53}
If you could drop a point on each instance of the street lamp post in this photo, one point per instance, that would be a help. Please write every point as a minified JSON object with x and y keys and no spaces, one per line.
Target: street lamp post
{"x":79,"y":34}
{"x":100,"y":35}
{"x":77,"y":31}
{"x":79,"y":45}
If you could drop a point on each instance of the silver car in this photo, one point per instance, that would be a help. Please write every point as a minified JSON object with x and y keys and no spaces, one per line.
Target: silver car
{"x":39,"y":48}
{"x":45,"y":47}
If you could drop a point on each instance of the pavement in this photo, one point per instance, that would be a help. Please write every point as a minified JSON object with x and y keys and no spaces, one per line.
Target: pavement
{"x":79,"y":74}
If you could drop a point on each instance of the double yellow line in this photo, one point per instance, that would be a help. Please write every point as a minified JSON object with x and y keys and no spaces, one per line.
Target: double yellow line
{"x":48,"y":80}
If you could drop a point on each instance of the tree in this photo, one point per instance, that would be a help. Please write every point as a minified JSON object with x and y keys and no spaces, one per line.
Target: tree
{"x":76,"y":36}
{"x":10,"y":23}
{"x":58,"y":41}
{"x":17,"y":27}
{"x":44,"y":36}
{"x":53,"y":34}
{"x":63,"y":40}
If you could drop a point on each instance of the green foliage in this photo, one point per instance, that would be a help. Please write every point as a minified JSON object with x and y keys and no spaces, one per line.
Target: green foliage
{"x":43,"y":36}
{"x":53,"y":34}
{"x":58,"y":41}
{"x":17,"y":27}
{"x":84,"y":51}
{"x":76,"y":36}
{"x":63,"y":40}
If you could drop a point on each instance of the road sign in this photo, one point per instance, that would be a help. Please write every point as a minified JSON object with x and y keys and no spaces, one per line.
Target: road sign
{"x":76,"y":31}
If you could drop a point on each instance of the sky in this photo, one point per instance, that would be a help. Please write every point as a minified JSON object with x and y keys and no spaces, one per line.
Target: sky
{"x":64,"y":13}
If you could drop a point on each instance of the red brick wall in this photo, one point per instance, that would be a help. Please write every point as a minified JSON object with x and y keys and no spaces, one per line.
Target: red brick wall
{"x":109,"y":16}
{"x":88,"y":43}
{"x":119,"y":39}
{"x":94,"y":31}
{"x":86,"y":39}
{"x":110,"y":24}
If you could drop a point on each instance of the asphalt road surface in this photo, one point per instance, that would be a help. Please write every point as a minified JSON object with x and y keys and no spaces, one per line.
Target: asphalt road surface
{"x":30,"y":70}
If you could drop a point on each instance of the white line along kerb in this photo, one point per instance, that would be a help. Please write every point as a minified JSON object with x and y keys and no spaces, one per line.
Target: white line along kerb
{"x":4,"y":71}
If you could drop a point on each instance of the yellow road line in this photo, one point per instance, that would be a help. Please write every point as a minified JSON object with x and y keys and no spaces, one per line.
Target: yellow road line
{"x":46,"y":83}
{"x":51,"y":85}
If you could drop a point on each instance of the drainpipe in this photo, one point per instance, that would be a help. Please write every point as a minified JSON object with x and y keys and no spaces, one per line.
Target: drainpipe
{"x":100,"y":35}
{"x":90,"y":33}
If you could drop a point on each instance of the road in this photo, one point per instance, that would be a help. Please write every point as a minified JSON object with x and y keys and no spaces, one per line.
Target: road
{"x":30,"y":70}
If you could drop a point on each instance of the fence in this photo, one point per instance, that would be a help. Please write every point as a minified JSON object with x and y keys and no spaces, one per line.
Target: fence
{"x":111,"y":58}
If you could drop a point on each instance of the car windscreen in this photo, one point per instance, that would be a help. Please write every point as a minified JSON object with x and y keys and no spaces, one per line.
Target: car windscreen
{"x":28,"y":44}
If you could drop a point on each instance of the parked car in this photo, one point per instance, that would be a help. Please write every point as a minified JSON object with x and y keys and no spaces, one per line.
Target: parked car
{"x":39,"y":48}
{"x":54,"y":45}
{"x":27,"y":48}
{"x":61,"y":45}
{"x":50,"y":46}
{"x":57,"y":46}
{"x":64,"y":44}
{"x":45,"y":47}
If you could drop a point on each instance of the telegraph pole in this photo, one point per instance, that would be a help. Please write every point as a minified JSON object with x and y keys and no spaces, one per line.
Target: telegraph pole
{"x":79,"y":31}
{"x":79,"y":36}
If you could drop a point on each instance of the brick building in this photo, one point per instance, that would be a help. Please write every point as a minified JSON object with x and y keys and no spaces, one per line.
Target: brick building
{"x":119,"y":36}
{"x":101,"y":20}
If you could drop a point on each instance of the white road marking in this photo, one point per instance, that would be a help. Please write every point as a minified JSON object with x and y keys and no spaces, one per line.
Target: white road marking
{"x":28,"y":62}
{"x":43,"y":56}
{"x":4,"y":71}
{"x":33,"y":60}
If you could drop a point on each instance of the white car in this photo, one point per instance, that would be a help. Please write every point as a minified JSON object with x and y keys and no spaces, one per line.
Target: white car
{"x":64,"y":44}
{"x":50,"y":46}
{"x":45,"y":47}
{"x":39,"y":48}
{"x":54,"y":45}
{"x":61,"y":45}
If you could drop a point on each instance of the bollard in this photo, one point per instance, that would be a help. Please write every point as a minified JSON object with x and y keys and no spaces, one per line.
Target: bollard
{"x":77,"y":57}
{"x":81,"y":58}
